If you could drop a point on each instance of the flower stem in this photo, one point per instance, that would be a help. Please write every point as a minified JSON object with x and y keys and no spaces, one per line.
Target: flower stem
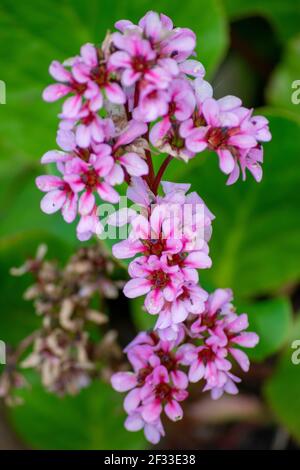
{"x":160,"y":173}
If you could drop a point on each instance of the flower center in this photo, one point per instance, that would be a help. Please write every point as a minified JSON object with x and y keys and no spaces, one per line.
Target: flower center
{"x":90,"y":178}
{"x":163,"y":392}
{"x":159,"y":279}
{"x":99,"y":75}
{"x":143,"y":374}
{"x":140,"y":64}
{"x":167,"y":360}
{"x":154,"y":247}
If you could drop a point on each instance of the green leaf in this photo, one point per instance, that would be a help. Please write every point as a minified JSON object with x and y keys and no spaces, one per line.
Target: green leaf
{"x":282,"y":390}
{"x":31,"y":37}
{"x":20,"y":208}
{"x":280,"y":88}
{"x":272,"y":321}
{"x":256,"y":234}
{"x":283,"y":15}
{"x":142,"y":319}
{"x":92,"y":420}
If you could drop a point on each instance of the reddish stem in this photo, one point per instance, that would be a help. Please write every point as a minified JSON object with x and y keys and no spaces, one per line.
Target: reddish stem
{"x":160,"y":173}
{"x":151,"y":175}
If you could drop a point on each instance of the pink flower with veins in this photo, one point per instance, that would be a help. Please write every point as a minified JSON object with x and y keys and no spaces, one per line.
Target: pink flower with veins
{"x":60,"y":196}
{"x":227,"y":129}
{"x":162,"y":395}
{"x":123,"y":157}
{"x":88,"y":126}
{"x":170,"y":140}
{"x":68,"y":84}
{"x":92,"y":69}
{"x":153,"y":103}
{"x":222,"y":330}
{"x":154,"y":277}
{"x":137,"y":60}
{"x":179,"y":104}
{"x":87,"y":77}
{"x":89,"y":177}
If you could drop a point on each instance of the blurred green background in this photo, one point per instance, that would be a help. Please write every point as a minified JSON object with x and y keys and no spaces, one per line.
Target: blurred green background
{"x":250,"y":49}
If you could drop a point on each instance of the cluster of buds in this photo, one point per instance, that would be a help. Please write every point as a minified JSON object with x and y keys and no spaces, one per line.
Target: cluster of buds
{"x":62,"y":350}
{"x":140,"y":94}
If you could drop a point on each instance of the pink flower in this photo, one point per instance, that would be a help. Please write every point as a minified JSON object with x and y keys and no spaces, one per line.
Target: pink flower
{"x":89,"y":225}
{"x":178,"y":104}
{"x":87,"y":77}
{"x":154,"y":277}
{"x":89,"y":177}
{"x":221,"y":330}
{"x":137,"y":60}
{"x":169,"y":139}
{"x":160,"y":396}
{"x":228,"y":130}
{"x":89,"y":128}
{"x":60,"y":196}
{"x":124,"y":157}
{"x":93,"y":71}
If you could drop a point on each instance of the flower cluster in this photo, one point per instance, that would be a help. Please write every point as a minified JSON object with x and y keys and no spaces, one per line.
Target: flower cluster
{"x":139,"y":88}
{"x":140,"y":94}
{"x":63,"y":352}
{"x":162,"y":369}
{"x":172,"y":243}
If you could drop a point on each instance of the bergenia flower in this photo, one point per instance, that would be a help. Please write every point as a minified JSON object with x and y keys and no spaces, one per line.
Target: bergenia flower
{"x":141,"y":93}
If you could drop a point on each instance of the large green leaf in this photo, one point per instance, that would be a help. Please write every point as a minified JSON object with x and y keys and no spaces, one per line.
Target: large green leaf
{"x":283,"y":15}
{"x":20,"y":211}
{"x":92,"y":420}
{"x":256,"y":234}
{"x":272,"y":321}
{"x":280,"y":89}
{"x":282,"y":390}
{"x":31,"y":37}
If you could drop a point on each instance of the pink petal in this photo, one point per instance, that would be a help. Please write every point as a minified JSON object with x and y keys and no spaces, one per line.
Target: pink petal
{"x":179,"y":379}
{"x":136,"y":287}
{"x":46,"y":183}
{"x":123,"y":381}
{"x":154,"y":301}
{"x":226,"y":161}
{"x":241,"y":358}
{"x":83,"y":136}
{"x":119,"y":59}
{"x":243,"y":141}
{"x":115,"y":94}
{"x":134,"y":422}
{"x":53,"y":201}
{"x":107,"y":193}
{"x":58,"y":72}
{"x":247,"y":340}
{"x":55,"y":92}
{"x":132,"y":400}
{"x":173,"y":410}
{"x":152,"y":411}
{"x":86,"y":203}
{"x":196,"y":371}
{"x":69,"y":210}
{"x":192,"y":67}
{"x":134,"y":164}
{"x":71,"y":106}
